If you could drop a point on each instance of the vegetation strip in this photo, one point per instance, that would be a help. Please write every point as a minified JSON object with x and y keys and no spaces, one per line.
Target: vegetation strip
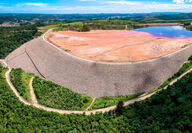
{"x":55,"y":96}
{"x":103,"y":102}
{"x":21,"y":80}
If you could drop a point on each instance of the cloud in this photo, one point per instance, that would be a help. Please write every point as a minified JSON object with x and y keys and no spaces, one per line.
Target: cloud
{"x":31,"y":4}
{"x":154,"y":2}
{"x":104,"y":6}
{"x":123,"y":2}
{"x":181,"y":1}
{"x":87,"y":0}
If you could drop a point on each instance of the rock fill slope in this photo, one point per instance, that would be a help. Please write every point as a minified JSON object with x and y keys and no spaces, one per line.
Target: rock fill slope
{"x":96,"y":79}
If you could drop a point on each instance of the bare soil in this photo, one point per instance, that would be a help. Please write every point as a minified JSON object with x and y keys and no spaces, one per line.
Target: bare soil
{"x":116,"y":45}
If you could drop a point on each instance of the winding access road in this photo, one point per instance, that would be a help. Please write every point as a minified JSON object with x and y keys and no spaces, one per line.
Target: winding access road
{"x":103,"y":110}
{"x":33,"y":96}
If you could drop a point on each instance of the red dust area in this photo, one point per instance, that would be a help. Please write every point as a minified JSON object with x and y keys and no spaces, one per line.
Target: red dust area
{"x":116,"y":45}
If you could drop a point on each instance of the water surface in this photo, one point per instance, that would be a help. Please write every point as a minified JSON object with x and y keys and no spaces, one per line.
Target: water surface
{"x":167,"y":31}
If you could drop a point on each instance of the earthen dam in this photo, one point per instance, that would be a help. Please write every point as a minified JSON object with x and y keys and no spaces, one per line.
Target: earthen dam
{"x":92,"y":77}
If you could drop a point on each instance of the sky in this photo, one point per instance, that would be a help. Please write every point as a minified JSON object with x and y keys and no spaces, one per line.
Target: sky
{"x":94,"y":6}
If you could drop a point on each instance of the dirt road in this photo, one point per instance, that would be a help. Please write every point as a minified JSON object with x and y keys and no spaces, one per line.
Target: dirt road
{"x":33,"y":96}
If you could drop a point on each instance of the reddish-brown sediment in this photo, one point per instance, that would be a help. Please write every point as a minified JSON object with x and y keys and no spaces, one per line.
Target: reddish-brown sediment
{"x":116,"y":45}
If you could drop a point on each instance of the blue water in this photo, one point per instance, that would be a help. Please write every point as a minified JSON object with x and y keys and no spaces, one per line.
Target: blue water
{"x":167,"y":31}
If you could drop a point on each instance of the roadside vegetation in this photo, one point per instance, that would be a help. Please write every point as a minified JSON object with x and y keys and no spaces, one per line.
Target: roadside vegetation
{"x":21,"y":80}
{"x":102,"y":102}
{"x":56,"y":96}
{"x":168,"y":111}
{"x":13,"y":37}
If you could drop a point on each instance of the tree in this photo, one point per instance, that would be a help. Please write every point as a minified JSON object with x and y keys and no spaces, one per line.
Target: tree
{"x":85,"y":28}
{"x":119,"y":108}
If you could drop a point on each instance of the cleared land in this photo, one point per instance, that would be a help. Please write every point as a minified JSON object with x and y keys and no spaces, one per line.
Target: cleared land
{"x":116,"y":45}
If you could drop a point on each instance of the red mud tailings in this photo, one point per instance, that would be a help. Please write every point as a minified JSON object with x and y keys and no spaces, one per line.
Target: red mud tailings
{"x":116,"y":45}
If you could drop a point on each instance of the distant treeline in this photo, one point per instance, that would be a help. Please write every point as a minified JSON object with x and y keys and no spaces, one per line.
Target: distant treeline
{"x":100,"y":24}
{"x":13,"y":37}
{"x":27,"y":19}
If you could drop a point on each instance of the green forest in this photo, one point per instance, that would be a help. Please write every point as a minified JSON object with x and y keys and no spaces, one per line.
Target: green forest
{"x":56,"y":96}
{"x":169,"y":111}
{"x":13,"y":37}
{"x":98,"y":25}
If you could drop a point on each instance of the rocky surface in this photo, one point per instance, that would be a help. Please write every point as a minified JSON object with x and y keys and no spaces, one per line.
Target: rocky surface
{"x":94,"y":78}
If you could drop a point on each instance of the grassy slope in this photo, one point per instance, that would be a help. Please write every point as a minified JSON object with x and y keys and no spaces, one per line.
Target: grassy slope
{"x":21,"y":80}
{"x":55,"y":96}
{"x":103,"y":102}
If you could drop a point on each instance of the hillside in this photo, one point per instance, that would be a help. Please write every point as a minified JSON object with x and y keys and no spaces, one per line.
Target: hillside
{"x":13,"y":37}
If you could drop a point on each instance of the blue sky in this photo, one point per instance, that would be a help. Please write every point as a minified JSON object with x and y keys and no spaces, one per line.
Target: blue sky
{"x":94,"y":6}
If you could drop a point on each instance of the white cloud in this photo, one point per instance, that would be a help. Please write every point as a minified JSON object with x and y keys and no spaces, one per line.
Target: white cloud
{"x":87,"y":0}
{"x":109,"y":6}
{"x":32,"y":4}
{"x":154,"y":2}
{"x":123,"y":2}
{"x":181,"y":1}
